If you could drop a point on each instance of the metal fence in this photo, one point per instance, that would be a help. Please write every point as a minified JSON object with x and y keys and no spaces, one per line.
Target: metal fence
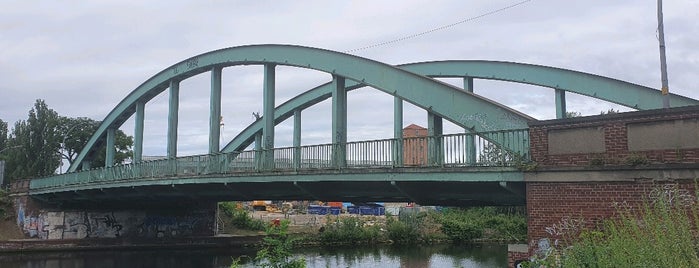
{"x":499,"y":148}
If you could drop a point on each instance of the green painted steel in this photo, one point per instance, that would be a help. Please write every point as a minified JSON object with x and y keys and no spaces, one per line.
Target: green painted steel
{"x":471,"y":146}
{"x":463,"y":108}
{"x":398,"y":131}
{"x":173,"y":118}
{"x":360,"y":157}
{"x":297,"y":138}
{"x":483,"y":174}
{"x":560,"y":103}
{"x":138,"y":132}
{"x":268,"y":109}
{"x":603,"y":88}
{"x":339,"y":121}
{"x":215,"y":110}
{"x":434,"y":146}
{"x":600,"y":87}
{"x":109,"y":159}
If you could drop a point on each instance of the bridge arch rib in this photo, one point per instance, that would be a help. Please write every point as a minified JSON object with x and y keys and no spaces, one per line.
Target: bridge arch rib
{"x":600,"y":87}
{"x":439,"y":98}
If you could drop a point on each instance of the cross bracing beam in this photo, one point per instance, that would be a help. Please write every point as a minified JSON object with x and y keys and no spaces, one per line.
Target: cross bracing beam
{"x":442,"y":99}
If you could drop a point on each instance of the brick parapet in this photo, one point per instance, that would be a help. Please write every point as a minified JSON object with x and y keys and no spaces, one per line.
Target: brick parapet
{"x":615,"y":140}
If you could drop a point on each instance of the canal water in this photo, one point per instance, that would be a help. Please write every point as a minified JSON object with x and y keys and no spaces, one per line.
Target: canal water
{"x":479,"y":255}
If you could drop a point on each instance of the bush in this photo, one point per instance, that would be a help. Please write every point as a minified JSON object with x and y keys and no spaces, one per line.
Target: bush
{"x":402,"y":232}
{"x":490,"y":223}
{"x":241,"y":218}
{"x":276,"y":248}
{"x":460,"y":231}
{"x":349,"y":230}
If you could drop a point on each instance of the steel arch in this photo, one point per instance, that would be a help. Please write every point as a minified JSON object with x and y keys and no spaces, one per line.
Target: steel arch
{"x":600,"y":87}
{"x":462,"y":108}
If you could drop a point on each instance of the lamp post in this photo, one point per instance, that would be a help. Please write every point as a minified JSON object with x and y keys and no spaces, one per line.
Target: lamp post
{"x":665,"y":90}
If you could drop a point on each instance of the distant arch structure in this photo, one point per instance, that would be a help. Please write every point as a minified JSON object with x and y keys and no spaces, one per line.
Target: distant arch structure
{"x":410,"y":82}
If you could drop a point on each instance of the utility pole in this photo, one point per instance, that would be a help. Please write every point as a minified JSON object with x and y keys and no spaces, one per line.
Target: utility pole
{"x":663,"y":65}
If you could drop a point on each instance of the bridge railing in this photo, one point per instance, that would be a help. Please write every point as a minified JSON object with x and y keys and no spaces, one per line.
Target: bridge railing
{"x":499,"y":148}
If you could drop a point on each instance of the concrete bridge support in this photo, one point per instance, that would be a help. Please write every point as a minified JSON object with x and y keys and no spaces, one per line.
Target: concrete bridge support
{"x":37,"y":219}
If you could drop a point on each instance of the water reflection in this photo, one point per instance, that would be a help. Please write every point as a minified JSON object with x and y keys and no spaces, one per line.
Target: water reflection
{"x":362,"y":256}
{"x":408,"y":257}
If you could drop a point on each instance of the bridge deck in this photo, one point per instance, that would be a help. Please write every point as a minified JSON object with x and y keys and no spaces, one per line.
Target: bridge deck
{"x":428,"y":170}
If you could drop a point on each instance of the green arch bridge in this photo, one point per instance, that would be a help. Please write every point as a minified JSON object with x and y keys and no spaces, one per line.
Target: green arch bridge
{"x":480,"y":166}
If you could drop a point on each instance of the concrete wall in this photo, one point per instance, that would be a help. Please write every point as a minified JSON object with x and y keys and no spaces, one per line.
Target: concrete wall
{"x":660,"y":135}
{"x":37,"y":222}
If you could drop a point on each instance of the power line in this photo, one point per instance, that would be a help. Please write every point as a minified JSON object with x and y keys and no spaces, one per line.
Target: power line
{"x":438,"y":28}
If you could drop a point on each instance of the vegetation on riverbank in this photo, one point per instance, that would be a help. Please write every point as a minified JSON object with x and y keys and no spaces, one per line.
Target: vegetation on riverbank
{"x":456,"y":225}
{"x":5,"y":205}
{"x":662,"y":233}
{"x":239,"y":218}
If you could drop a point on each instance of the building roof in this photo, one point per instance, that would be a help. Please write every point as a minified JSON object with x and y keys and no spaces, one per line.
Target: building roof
{"x":413,"y":126}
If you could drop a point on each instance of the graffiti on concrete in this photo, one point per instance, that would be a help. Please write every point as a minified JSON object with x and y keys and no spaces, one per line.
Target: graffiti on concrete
{"x":96,"y":224}
{"x":112,"y":224}
{"x":167,"y":226}
{"x":33,"y":226}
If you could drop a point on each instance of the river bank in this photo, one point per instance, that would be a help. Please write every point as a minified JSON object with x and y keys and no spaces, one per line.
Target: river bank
{"x":39,"y":245}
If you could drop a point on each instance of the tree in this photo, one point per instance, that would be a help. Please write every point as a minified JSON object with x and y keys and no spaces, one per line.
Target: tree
{"x":36,"y":147}
{"x":3,"y":136}
{"x":32,"y":148}
{"x":76,"y":132}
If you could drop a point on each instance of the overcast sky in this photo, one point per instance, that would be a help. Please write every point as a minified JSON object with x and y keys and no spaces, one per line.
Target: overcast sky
{"x":84,"y":57}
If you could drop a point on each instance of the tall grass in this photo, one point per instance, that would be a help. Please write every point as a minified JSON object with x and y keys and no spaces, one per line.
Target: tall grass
{"x":661,"y":233}
{"x":488,"y":223}
{"x":349,"y":230}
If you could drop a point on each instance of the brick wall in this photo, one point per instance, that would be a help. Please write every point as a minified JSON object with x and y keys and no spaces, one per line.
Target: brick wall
{"x":615,"y":140}
{"x":553,"y":203}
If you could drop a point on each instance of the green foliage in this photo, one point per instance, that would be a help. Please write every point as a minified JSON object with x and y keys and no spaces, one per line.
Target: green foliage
{"x":76,"y":132}
{"x":405,"y":230}
{"x":3,"y":137}
{"x":32,"y":147}
{"x":461,"y":231}
{"x":610,"y":111}
{"x":276,"y":248}
{"x":5,"y":204}
{"x":572,"y":114}
{"x":660,"y":234}
{"x":465,"y":225}
{"x":636,"y":160}
{"x":35,"y":147}
{"x":349,"y":230}
{"x":241,"y":218}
